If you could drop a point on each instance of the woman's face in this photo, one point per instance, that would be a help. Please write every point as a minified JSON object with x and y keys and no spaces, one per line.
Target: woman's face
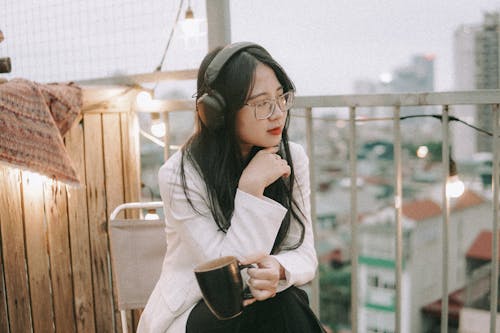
{"x":251,"y":131}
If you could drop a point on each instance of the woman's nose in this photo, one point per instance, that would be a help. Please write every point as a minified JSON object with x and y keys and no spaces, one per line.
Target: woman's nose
{"x":277,"y":112}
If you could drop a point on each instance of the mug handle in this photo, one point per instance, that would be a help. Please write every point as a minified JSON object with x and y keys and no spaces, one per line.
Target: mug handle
{"x":247,"y":294}
{"x":246,"y":266}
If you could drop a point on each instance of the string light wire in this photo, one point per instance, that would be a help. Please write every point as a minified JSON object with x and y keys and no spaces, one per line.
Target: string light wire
{"x":170,"y":37}
{"x":437,"y":116}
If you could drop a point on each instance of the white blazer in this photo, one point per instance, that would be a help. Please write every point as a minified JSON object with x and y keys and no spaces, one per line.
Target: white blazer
{"x":193,"y":238}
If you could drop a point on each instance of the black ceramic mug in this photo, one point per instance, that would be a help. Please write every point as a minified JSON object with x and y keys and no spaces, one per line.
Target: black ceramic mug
{"x":222,"y":286}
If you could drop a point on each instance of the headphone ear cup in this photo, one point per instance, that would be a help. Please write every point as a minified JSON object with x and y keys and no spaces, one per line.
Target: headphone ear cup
{"x":211,"y":109}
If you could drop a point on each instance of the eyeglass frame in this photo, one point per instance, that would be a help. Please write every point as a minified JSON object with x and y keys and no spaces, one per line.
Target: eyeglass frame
{"x":275,"y":103}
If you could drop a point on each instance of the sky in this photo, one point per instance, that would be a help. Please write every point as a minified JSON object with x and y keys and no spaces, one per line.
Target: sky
{"x":325,"y":45}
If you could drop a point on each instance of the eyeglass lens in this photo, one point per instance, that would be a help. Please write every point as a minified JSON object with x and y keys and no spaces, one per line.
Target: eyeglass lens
{"x":267,"y":108}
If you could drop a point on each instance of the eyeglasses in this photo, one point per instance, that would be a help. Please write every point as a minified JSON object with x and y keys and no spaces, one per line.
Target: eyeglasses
{"x":265,"y":109}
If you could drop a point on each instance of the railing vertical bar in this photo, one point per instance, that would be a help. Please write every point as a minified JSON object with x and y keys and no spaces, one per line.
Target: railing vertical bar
{"x":446,"y":217}
{"x":494,"y":247}
{"x":398,"y":175}
{"x":312,"y":177}
{"x":354,"y":219}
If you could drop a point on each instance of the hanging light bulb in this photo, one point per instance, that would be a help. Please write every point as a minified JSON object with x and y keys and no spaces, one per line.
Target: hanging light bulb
{"x":144,"y":99}
{"x":189,"y":12}
{"x":422,"y":151}
{"x":157,"y":125}
{"x":190,"y":26}
{"x":454,"y":186}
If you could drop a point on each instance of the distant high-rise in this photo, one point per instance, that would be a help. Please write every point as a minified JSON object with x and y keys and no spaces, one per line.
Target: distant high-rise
{"x":464,"y":79}
{"x":416,"y":77}
{"x":476,"y":60}
{"x":487,"y":71}
{"x":464,"y":57}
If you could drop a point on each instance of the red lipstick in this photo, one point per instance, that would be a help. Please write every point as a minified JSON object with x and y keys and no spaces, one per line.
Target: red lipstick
{"x":275,"y":131}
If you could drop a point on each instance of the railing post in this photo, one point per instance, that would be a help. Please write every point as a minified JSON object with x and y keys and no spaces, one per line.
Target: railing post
{"x":494,"y":247}
{"x":446,"y":217}
{"x":312,"y":177}
{"x":354,"y":219}
{"x":398,"y":198}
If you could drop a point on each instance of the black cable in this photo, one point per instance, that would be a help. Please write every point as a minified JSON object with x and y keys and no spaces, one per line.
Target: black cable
{"x":437,"y":116}
{"x":158,"y":68}
{"x":451,"y":118}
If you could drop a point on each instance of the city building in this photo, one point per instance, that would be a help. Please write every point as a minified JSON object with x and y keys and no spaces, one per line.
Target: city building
{"x":476,"y":59}
{"x":487,"y":74}
{"x":475,"y":315}
{"x":422,"y":253}
{"x":418,"y":76}
{"x":415,"y":76}
{"x":464,"y":79}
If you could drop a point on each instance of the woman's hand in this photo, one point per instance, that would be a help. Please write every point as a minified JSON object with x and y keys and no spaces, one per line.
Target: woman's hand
{"x":263,"y":280}
{"x":263,"y":170}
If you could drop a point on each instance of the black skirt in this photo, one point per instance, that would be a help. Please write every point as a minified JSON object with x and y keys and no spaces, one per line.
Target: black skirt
{"x":287,"y":312}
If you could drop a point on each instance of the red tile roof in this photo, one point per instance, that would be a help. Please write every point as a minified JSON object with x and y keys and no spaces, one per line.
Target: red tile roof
{"x":375,"y":180}
{"x":419,"y":210}
{"x":455,"y":304}
{"x":481,"y":247}
{"x":466,"y":200}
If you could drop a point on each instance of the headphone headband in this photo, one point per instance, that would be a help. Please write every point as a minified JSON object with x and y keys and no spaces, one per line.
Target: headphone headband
{"x":222,"y":57}
{"x":211,"y":105}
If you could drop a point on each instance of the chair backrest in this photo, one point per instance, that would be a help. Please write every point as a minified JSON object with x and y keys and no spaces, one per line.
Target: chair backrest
{"x":137,"y":251}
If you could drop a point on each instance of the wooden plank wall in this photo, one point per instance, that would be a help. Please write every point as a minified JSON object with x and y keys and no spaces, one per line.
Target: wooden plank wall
{"x":54,"y":268}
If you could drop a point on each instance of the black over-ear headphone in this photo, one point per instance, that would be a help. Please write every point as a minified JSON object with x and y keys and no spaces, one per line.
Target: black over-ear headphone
{"x":211,"y":105}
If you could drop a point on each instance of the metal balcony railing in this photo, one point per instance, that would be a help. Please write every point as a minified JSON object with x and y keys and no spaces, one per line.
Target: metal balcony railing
{"x":396,"y":102}
{"x":441,"y":100}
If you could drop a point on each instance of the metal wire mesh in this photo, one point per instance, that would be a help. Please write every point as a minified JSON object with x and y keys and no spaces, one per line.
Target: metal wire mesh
{"x":61,"y":40}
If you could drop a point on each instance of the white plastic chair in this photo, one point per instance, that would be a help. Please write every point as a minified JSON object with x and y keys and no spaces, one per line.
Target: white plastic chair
{"x":138,"y":247}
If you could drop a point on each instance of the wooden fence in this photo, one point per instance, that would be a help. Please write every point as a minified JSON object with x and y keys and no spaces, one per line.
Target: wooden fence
{"x":55,"y":273}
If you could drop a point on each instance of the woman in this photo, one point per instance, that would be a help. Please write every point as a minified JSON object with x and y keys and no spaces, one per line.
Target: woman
{"x":239,"y":188}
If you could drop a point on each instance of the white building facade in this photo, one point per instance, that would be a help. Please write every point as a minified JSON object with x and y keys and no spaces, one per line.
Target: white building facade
{"x":422,"y":264}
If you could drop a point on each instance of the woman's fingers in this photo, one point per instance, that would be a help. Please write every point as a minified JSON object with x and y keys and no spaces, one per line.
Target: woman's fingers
{"x":271,"y":274}
{"x":263,"y":284}
{"x":264,"y":279}
{"x":247,"y":302}
{"x":270,"y":150}
{"x":279,"y":164}
{"x":287,"y":170}
{"x":263,"y":294}
{"x":263,"y":170}
{"x":252,"y":259}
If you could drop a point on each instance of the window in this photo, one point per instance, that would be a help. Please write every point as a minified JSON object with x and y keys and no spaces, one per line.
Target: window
{"x":373,"y":280}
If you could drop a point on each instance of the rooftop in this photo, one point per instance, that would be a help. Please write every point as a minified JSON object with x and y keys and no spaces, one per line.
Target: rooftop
{"x":423,"y":209}
{"x":481,"y":247}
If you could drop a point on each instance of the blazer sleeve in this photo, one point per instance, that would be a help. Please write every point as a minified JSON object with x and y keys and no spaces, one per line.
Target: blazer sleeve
{"x":301,"y":263}
{"x":254,"y":224}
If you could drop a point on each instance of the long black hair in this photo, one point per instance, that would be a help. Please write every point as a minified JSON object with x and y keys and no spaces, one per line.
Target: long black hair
{"x":216,"y":153}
